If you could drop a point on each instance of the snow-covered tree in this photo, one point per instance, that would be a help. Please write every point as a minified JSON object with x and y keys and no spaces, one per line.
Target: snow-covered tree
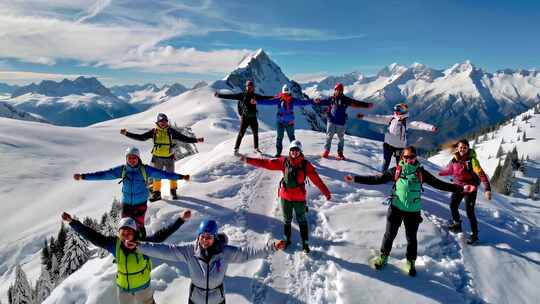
{"x":75,"y":254}
{"x":500,"y":152}
{"x":44,"y":285}
{"x":183,"y":149}
{"x":21,"y":292}
{"x":60,"y":242}
{"x":54,"y":272}
{"x":524,"y":137}
{"x":46,"y":255}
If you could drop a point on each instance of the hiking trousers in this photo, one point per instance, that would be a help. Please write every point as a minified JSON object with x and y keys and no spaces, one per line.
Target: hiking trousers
{"x":411,"y":220}
{"x":388,"y":152}
{"x":145,"y":296}
{"x":470,"y":202}
{"x":300,"y":210}
{"x":246,"y":122}
{"x":166,"y":164}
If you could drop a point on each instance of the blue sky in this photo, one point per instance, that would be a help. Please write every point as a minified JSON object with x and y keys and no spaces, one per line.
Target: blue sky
{"x":139,"y":41}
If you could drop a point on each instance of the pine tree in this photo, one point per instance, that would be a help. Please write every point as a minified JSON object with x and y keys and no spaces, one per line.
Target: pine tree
{"x":21,"y":292}
{"x":46,"y":255}
{"x":115,"y":212}
{"x":524,"y":138}
{"x":532,"y":193}
{"x":75,"y":254}
{"x":44,"y":285}
{"x":500,"y":152}
{"x":54,"y":272}
{"x":497,"y":174}
{"x":60,"y":242}
{"x":485,"y":138}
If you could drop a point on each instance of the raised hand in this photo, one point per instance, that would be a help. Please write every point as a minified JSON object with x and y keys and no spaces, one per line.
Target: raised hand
{"x":216,"y":94}
{"x":434,"y":129}
{"x":77,"y":176}
{"x":359,"y":115}
{"x":123,"y":131}
{"x":200,"y":139}
{"x":349,"y":178}
{"x":67,"y":217}
{"x":186,"y":177}
{"x":487,"y":195}
{"x":328,"y":197}
{"x":186,"y":215}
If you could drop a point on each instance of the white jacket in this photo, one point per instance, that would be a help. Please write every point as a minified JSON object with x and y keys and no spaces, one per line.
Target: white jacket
{"x":396,"y":133}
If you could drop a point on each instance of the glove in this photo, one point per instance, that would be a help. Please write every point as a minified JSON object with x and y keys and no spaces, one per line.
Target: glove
{"x":123,"y":131}
{"x":186,"y":177}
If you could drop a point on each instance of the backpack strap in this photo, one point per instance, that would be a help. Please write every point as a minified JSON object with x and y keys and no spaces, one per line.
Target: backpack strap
{"x":123,"y":174}
{"x":142,"y":168}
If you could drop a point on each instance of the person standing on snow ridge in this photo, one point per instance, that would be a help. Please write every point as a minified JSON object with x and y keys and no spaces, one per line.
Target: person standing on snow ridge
{"x":133,"y":176}
{"x":406,"y":202}
{"x":395,"y":138}
{"x":337,"y":118}
{"x":162,"y":153}
{"x":285,"y":114}
{"x":292,"y":188}
{"x":133,"y":268}
{"x":207,"y":260}
{"x":247,"y":109}
{"x":465,"y":169}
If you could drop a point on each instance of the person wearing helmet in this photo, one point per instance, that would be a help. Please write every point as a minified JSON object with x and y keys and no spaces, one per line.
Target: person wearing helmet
{"x":406,"y":203}
{"x":207,"y":260}
{"x":395,"y":137}
{"x":162,"y":152}
{"x":247,"y":109}
{"x":133,"y":268}
{"x":292,"y":188}
{"x":133,"y":175}
{"x":337,"y":118}
{"x":285,"y":114}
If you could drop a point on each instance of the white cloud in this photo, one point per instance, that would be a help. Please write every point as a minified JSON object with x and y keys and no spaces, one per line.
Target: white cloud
{"x":94,"y":10}
{"x":308,"y":77}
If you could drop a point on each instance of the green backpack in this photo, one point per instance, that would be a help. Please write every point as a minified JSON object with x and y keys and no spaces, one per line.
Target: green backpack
{"x":290,"y":175}
{"x":142,"y":168}
{"x":408,"y":188}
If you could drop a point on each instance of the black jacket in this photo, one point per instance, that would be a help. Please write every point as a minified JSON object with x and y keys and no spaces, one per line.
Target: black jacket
{"x":150,"y":134}
{"x":245,"y":107}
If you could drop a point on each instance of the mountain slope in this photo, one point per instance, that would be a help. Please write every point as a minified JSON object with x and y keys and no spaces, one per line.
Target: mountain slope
{"x":8,"y":111}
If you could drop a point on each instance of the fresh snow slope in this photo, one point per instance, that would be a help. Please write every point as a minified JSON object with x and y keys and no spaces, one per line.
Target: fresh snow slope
{"x":344,"y":231}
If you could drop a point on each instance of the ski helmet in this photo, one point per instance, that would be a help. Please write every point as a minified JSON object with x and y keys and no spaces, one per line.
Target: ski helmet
{"x":249,"y":83}
{"x":401,"y":108}
{"x":339,"y":86}
{"x":285,"y":89}
{"x":128,"y":222}
{"x":162,"y":117}
{"x":208,"y":226}
{"x":133,"y":151}
{"x":295,"y":144}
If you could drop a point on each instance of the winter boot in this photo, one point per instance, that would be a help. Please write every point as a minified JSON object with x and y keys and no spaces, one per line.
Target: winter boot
{"x":305,"y":247}
{"x":236,"y":153}
{"x":409,"y":268}
{"x":381,"y":261}
{"x":173,"y":194}
{"x":156,"y":196}
{"x":340,"y":156}
{"x":473,"y":239}
{"x":455,"y":227}
{"x":325,"y":154}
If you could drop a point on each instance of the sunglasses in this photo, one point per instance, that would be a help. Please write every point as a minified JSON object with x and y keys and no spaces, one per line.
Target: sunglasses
{"x":294,"y":150}
{"x":409,"y":157}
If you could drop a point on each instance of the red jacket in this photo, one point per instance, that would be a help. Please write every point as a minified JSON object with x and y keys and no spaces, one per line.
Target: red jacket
{"x":297,"y":194}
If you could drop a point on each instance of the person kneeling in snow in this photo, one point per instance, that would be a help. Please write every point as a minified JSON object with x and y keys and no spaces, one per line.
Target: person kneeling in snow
{"x":133,"y":268}
{"x":133,"y":176}
{"x":406,"y":202}
{"x":207,"y":260}
{"x":395,"y":138}
{"x":292,"y":187}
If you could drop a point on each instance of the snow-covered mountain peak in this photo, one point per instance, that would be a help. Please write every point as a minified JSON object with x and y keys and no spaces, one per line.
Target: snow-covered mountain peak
{"x":79,"y":86}
{"x":458,"y":68}
{"x":391,"y":70}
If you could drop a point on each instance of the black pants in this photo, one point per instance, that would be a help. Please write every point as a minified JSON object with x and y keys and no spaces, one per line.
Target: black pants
{"x":411,"y":220}
{"x":388,"y":152}
{"x":246,"y":122}
{"x":470,"y":201}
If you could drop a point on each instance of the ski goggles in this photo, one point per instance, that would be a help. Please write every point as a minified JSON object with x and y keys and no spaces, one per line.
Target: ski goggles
{"x":400,"y":109}
{"x":409,"y":157}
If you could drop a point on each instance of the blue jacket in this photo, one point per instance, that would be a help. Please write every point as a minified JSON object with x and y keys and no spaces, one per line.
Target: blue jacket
{"x":339,"y":105}
{"x":285,"y":107}
{"x":134,"y":188}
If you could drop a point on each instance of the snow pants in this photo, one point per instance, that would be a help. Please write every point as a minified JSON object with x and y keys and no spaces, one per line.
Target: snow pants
{"x":136,"y":212}
{"x":163,"y":163}
{"x":281,"y":128}
{"x":331,"y":130}
{"x":412,"y":221}
{"x":145,"y":296}
{"x":470,"y":202}
{"x":388,"y":152}
{"x":300,"y":211}
{"x":246,"y":122}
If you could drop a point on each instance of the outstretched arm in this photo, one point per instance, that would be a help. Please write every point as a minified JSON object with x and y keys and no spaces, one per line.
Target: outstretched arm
{"x":169,"y":252}
{"x":142,"y":137}
{"x":160,"y":174}
{"x":96,"y":238}
{"x":181,"y":137}
{"x":316,"y":179}
{"x":239,"y":255}
{"x":304,"y":102}
{"x":268,"y":102}
{"x":420,"y":125}
{"x":113,"y":173}
{"x":383,"y":178}
{"x":270,"y":164}
{"x":238,"y":96}
{"x":439,"y":184}
{"x":357,"y":103}
{"x":449,"y":170}
{"x":260,"y":97}
{"x":378,"y":119}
